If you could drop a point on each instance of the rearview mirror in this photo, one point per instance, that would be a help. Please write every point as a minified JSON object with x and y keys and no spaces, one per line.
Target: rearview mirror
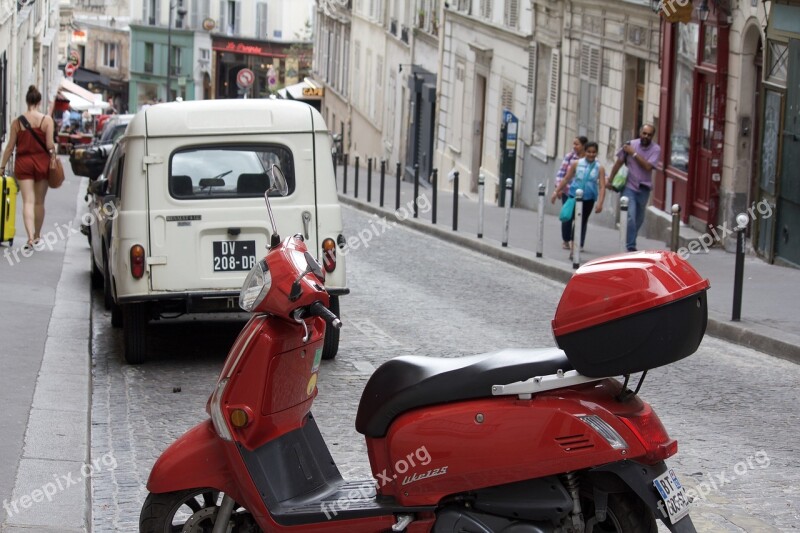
{"x":277,"y":181}
{"x":98,"y":188}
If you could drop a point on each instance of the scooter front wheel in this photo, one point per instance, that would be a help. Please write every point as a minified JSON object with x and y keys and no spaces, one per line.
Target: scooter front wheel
{"x":190,"y":511}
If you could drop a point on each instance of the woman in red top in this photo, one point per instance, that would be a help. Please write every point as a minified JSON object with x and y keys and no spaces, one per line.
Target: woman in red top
{"x":32,"y":162}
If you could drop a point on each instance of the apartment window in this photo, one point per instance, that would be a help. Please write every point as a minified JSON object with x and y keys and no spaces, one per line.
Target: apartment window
{"x":152,"y":12}
{"x":486,"y":9}
{"x":261,"y":20}
{"x":200,"y":10}
{"x":464,"y":6}
{"x":108,"y":55}
{"x":230,"y":17}
{"x":149,"y":54}
{"x":511,"y":14}
{"x":588,"y":96}
{"x":177,"y":54}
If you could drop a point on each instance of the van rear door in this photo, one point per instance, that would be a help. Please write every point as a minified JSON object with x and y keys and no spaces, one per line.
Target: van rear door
{"x":207,"y":216}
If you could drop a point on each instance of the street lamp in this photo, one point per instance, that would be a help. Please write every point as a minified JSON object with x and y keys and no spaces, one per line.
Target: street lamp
{"x":181,"y":13}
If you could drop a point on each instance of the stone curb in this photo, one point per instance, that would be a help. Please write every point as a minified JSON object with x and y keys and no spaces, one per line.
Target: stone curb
{"x":717,"y":326}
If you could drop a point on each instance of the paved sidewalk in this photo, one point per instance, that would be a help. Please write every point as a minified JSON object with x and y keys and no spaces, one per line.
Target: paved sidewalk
{"x":770,"y":292}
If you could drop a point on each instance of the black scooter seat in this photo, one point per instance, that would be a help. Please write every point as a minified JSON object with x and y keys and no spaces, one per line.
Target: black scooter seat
{"x":409,"y":382}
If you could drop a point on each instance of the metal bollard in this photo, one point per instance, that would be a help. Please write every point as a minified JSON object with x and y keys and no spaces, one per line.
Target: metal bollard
{"x":355,"y":185}
{"x":369,"y":181}
{"x":435,"y":180}
{"x":509,"y":184}
{"x":455,"y":201}
{"x":383,"y":180}
{"x":676,"y":227}
{"x":540,"y":243}
{"x":416,"y":190}
{"x":577,"y":223}
{"x":333,"y":156}
{"x":738,"y":273}
{"x":481,"y":194}
{"x":397,"y":191}
{"x":344,"y":170}
{"x":623,"y":223}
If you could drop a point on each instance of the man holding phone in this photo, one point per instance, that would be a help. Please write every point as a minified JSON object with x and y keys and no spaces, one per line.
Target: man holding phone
{"x":641,"y":156}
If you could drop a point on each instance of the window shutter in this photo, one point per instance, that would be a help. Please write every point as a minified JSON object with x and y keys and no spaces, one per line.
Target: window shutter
{"x":223,"y":19}
{"x":507,"y":97}
{"x":511,"y":14}
{"x":530,"y":97}
{"x":456,"y":112}
{"x":157,"y":12}
{"x":552,"y":102}
{"x":237,"y":14}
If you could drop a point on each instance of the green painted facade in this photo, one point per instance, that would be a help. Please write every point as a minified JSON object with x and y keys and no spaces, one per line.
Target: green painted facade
{"x":148,"y":73}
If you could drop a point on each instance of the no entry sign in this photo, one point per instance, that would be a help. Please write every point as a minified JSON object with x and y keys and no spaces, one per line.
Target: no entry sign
{"x":245,"y":78}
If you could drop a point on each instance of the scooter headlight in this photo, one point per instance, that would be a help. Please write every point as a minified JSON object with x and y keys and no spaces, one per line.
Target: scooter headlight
{"x":256,"y":286}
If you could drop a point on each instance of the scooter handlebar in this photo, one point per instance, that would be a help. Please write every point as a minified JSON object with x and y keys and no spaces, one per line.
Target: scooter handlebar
{"x":317,"y":309}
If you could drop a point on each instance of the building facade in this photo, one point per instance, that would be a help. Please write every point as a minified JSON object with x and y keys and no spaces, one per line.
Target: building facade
{"x":28,"y":56}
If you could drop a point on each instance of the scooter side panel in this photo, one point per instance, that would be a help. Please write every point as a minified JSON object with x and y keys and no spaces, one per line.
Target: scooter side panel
{"x":448,"y":449}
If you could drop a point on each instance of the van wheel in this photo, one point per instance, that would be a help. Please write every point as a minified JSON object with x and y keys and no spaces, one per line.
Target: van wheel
{"x":134,"y":332}
{"x":116,"y":316}
{"x":330,"y":346}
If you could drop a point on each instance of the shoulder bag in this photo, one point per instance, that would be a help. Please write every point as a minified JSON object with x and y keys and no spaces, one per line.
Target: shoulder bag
{"x":55,"y":175}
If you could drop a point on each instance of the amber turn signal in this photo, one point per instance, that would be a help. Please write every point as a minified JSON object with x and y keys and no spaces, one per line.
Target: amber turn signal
{"x":239,"y":418}
{"x":329,"y":255}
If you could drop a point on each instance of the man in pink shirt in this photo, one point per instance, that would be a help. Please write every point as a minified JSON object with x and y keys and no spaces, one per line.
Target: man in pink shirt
{"x":641,"y":156}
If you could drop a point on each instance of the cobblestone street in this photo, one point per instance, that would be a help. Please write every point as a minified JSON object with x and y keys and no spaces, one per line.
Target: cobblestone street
{"x":733,"y":410}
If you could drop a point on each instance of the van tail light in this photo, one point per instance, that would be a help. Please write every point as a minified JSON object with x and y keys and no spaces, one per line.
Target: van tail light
{"x":651,"y":433}
{"x":137,"y":261}
{"x":329,"y":255}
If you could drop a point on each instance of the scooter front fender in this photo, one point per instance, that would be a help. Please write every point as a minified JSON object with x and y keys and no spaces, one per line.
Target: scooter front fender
{"x":196,"y":460}
{"x":639,"y":477}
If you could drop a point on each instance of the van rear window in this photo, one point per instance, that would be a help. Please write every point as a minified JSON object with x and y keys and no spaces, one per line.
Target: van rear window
{"x":227,"y":171}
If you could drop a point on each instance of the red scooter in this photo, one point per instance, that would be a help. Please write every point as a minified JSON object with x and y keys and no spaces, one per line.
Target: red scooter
{"x":515,"y":441}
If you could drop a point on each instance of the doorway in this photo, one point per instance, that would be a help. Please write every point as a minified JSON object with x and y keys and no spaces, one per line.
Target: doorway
{"x":477,"y":134}
{"x":787,"y":228}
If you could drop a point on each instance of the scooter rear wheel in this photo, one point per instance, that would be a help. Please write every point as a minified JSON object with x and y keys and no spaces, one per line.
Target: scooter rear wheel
{"x":626,"y":513}
{"x":192,"y":510}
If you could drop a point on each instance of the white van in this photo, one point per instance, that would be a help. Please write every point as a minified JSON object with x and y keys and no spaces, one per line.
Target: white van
{"x":188,"y":181}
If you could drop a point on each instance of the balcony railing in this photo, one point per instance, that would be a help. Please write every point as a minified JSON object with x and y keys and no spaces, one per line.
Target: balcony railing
{"x":148,"y":67}
{"x":393,"y":27}
{"x":404,"y":34}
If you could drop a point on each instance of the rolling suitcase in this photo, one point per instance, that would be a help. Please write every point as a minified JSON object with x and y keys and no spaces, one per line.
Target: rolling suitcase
{"x":8,"y":206}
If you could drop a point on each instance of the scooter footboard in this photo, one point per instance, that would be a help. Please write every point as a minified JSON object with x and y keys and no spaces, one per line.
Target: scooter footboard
{"x":639,"y":478}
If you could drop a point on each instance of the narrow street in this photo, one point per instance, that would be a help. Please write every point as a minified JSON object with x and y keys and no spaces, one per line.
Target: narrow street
{"x":733,"y":410}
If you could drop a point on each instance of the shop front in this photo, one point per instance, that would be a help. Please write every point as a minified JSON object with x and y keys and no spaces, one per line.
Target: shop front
{"x":272,"y":63}
{"x":777,"y":238}
{"x":693,"y":107}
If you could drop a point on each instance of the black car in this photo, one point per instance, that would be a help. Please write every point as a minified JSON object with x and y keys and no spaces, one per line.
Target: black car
{"x":89,"y":160}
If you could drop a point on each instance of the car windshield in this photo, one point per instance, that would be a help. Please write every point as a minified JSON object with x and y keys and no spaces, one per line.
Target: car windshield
{"x":112,"y":132}
{"x":227,"y":172}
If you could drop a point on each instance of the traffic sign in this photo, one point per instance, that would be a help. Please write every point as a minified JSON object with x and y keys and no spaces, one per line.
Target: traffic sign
{"x":69,"y":69}
{"x":74,"y":58}
{"x":245,"y":78}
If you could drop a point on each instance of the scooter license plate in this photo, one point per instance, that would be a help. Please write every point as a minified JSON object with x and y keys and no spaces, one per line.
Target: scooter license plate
{"x":676,"y":503}
{"x":234,"y":256}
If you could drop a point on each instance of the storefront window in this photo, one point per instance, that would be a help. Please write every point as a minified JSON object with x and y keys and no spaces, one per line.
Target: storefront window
{"x":710,"y":45}
{"x":682,"y":88}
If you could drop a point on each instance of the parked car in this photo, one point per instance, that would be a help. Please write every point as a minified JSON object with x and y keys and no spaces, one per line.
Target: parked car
{"x":89,"y":160}
{"x":183,"y":217}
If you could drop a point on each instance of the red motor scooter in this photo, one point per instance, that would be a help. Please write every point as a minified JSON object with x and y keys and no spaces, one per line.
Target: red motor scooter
{"x":514,"y":441}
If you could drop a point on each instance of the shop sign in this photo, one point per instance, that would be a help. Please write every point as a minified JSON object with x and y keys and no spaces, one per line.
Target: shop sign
{"x":79,"y":36}
{"x":314,"y":91}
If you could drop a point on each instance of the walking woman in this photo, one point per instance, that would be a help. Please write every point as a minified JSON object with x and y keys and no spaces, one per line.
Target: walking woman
{"x":578,"y":147}
{"x":31,"y":162}
{"x":591,"y":177}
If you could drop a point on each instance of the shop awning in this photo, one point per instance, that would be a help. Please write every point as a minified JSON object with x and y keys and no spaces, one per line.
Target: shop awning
{"x":308,"y":89}
{"x":79,"y":98}
{"x":84,"y":77}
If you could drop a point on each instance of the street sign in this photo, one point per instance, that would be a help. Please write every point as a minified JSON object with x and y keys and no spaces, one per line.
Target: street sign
{"x":272,"y":78}
{"x":74,"y":58}
{"x":245,"y":78}
{"x":69,"y":69}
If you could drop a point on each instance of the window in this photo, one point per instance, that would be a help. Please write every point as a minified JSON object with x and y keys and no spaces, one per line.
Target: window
{"x":777,"y":61}
{"x":152,"y":12}
{"x":464,"y":6}
{"x":148,"y":57}
{"x":211,"y":172}
{"x":177,"y":54}
{"x":108,"y":55}
{"x":683,"y":91}
{"x":229,"y":16}
{"x":588,"y":96}
{"x":486,"y":9}
{"x":200,"y":10}
{"x":511,"y":14}
{"x":261,"y":20}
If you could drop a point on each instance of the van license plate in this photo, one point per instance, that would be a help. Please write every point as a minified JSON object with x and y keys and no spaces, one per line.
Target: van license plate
{"x":234,"y":256}
{"x":672,"y":492}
